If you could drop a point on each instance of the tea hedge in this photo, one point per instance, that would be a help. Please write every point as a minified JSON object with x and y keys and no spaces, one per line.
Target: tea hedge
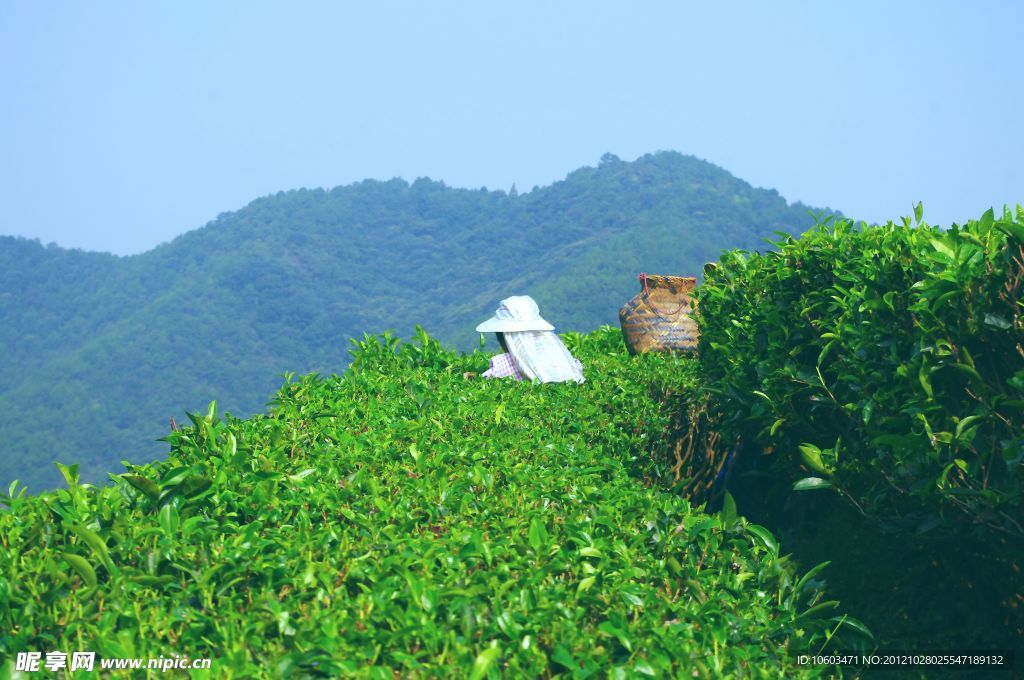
{"x":884,"y":362}
{"x":406,"y":520}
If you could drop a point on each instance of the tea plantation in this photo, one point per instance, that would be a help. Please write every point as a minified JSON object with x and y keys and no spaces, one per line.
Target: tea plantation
{"x":406,"y":520}
{"x":886,"y":361}
{"x":409,"y":519}
{"x":879,"y":373}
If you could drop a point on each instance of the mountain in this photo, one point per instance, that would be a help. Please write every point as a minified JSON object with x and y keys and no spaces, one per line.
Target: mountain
{"x":101,"y":351}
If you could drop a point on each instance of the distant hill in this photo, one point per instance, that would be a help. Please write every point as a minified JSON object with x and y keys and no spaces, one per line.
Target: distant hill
{"x":100,"y":351}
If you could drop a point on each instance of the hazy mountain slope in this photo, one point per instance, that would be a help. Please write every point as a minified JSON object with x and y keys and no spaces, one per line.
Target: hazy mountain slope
{"x":104,"y":350}
{"x":46,"y":295}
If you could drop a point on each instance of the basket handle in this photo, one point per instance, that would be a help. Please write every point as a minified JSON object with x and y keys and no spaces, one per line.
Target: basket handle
{"x":647,"y":297}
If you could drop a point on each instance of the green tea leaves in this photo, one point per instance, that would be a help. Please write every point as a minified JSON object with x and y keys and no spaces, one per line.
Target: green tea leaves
{"x":538,"y":535}
{"x":943,"y":248}
{"x":811,"y":484}
{"x":997,"y":321}
{"x":485,"y":660}
{"x":82,"y":566}
{"x":146,"y":486}
{"x":765,"y":537}
{"x":585,"y":584}
{"x":811,"y":456}
{"x":728,"y":513}
{"x":96,"y":544}
{"x":169,"y":519}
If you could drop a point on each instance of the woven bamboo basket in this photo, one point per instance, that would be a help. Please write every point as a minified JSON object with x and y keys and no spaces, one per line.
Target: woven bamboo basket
{"x":660,"y":317}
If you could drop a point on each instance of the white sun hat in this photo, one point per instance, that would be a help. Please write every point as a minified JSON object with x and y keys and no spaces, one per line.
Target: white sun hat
{"x":515,"y":314}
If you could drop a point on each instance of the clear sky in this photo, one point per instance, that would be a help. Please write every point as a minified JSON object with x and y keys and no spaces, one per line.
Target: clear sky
{"x":125,"y":124}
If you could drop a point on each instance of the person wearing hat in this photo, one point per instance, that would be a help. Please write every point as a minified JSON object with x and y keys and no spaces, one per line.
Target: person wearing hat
{"x":532,"y":351}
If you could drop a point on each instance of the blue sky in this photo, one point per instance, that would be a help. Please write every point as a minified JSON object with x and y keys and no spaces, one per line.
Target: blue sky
{"x":126,"y":124}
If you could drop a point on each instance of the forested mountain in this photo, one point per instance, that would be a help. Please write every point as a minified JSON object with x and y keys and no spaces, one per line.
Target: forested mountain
{"x":100,"y":351}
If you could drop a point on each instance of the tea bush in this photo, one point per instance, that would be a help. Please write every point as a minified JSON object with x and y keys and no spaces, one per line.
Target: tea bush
{"x":885,"y":361}
{"x":405,"y":520}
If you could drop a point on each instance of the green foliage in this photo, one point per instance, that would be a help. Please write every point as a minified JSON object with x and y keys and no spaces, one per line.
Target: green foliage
{"x":405,"y":519}
{"x":99,"y":352}
{"x":885,"y":361}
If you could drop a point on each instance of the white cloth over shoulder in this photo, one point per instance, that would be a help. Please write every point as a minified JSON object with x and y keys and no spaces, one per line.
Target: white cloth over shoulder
{"x":543,"y":356}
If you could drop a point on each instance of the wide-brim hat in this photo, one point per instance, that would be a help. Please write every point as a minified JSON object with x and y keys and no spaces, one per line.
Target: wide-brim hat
{"x":515,"y":314}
